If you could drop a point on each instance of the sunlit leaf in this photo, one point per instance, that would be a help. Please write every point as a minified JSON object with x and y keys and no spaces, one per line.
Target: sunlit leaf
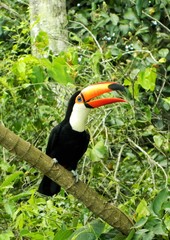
{"x":41,"y":40}
{"x":9,"y":208}
{"x":142,"y":210}
{"x":20,"y":68}
{"x":19,"y":222}
{"x":158,"y":139}
{"x":147,"y":78}
{"x":162,"y":60}
{"x":167,"y":222}
{"x":167,"y":100}
{"x":7,"y":235}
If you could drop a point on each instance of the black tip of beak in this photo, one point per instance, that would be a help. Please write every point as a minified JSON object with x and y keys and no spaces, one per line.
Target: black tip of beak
{"x":116,"y":86}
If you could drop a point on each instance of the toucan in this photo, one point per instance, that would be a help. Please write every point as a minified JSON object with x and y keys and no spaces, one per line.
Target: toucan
{"x":68,"y":141}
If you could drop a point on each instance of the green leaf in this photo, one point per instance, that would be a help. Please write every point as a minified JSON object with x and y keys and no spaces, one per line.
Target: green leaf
{"x":38,"y":75}
{"x":167,"y":100}
{"x":34,"y":235}
{"x":21,"y":195}
{"x":131,"y":15}
{"x":6,"y":235}
{"x":166,"y":206}
{"x":133,"y":88}
{"x":62,"y":234}
{"x":41,"y":40}
{"x":9,"y":208}
{"x":97,"y":227}
{"x":74,"y":37}
{"x":139,"y":5}
{"x":163,"y":52}
{"x":82,"y":18}
{"x":142,"y":210}
{"x":9,"y":180}
{"x":59,"y":71}
{"x":159,"y":229}
{"x":91,"y":231}
{"x":131,"y":235}
{"x":167,"y":222}
{"x":19,"y":221}
{"x":99,"y":151}
{"x":114,"y":18}
{"x":139,"y":234}
{"x":84,"y":236}
{"x":148,"y":236}
{"x":147,"y":78}
{"x":20,"y":69}
{"x":141,"y":222}
{"x":158,"y":139}
{"x":159,"y":200}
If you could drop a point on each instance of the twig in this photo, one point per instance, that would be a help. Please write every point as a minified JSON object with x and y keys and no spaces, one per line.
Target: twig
{"x":5,"y":6}
{"x":149,"y":16}
{"x":168,"y":16}
{"x":116,"y":170}
{"x":160,"y":91}
{"x":150,"y":160}
{"x":97,"y":43}
{"x":118,"y":162}
{"x":162,"y":25}
{"x":143,"y":51}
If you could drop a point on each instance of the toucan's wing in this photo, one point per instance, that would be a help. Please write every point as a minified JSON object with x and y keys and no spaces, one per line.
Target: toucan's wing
{"x":52,"y":141}
{"x":47,"y":186}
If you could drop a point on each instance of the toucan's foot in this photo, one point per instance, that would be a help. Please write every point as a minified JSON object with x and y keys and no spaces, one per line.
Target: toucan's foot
{"x":55,"y":160}
{"x":75,"y":174}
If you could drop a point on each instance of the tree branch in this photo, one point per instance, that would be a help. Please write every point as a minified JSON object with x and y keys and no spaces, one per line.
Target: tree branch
{"x":91,"y":199}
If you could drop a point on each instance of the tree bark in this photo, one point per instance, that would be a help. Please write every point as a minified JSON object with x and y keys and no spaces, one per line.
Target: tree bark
{"x":93,"y":201}
{"x":48,"y":20}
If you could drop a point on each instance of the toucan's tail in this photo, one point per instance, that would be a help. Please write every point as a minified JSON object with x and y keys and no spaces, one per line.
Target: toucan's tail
{"x":48,"y":187}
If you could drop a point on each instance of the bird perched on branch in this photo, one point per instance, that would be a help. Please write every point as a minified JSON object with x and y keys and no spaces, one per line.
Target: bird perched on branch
{"x":68,"y":141}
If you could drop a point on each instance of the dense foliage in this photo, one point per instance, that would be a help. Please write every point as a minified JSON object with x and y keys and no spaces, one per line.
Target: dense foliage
{"x":128,"y":157}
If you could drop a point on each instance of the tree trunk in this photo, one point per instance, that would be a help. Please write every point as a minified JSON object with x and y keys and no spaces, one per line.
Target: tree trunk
{"x":97,"y":204}
{"x":48,"y":21}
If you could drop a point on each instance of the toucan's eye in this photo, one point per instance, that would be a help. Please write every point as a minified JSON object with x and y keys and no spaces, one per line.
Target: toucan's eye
{"x":79,"y":99}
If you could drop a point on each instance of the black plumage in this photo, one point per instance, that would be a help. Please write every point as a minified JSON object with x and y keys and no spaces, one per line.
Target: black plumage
{"x":67,"y":146}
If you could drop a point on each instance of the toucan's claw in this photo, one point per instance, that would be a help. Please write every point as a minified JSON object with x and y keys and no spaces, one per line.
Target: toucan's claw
{"x":55,"y":160}
{"x":75,"y":174}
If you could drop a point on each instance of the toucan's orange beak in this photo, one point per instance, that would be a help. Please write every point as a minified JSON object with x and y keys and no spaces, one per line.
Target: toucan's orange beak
{"x":92,"y":91}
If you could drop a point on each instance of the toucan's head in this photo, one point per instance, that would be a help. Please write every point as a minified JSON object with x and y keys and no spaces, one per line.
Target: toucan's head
{"x":84,"y":101}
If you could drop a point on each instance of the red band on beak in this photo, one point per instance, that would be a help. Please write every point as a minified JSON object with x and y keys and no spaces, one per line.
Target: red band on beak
{"x":101,"y":102}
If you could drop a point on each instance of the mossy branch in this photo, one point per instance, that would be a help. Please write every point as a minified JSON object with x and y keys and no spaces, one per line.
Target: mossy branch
{"x":91,"y":199}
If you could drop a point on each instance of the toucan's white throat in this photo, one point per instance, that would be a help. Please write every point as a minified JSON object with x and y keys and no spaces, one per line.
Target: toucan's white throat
{"x":79,"y":117}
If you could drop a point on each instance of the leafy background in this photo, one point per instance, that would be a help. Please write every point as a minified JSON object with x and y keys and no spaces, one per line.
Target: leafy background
{"x":128,"y":157}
